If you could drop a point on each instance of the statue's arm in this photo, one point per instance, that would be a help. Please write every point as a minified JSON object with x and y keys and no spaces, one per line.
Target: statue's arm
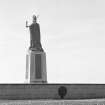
{"x":27,"y":24}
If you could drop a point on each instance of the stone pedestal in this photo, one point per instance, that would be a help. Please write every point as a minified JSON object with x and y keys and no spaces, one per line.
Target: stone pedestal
{"x":36,"y":67}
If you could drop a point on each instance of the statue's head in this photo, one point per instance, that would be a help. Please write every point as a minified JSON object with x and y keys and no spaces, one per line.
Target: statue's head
{"x":34,"y":19}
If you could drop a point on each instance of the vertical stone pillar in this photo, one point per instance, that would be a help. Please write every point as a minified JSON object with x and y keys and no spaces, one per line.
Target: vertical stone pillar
{"x":36,"y":67}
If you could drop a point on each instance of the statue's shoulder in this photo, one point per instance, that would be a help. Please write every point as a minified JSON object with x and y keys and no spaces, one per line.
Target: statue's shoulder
{"x":34,"y":24}
{"x":37,"y":24}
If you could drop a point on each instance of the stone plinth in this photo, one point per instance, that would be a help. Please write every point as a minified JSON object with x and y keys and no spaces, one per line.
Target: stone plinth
{"x":36,"y":67}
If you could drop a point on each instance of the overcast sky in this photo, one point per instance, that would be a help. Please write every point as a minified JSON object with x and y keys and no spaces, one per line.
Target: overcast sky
{"x":72,"y":35}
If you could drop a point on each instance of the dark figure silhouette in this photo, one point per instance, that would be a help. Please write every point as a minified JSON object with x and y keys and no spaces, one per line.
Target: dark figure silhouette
{"x":35,"y":43}
{"x":62,"y":91}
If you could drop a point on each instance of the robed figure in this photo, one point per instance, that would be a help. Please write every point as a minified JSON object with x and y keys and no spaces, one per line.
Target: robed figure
{"x":35,"y":40}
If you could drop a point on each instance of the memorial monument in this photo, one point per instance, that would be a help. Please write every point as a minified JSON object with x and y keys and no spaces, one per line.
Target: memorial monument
{"x":36,"y":57}
{"x":37,"y":91}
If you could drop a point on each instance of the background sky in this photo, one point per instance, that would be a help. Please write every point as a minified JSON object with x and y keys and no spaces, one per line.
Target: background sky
{"x":72,"y":35}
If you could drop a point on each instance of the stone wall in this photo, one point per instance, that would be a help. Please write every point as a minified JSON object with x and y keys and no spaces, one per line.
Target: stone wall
{"x":50,"y":91}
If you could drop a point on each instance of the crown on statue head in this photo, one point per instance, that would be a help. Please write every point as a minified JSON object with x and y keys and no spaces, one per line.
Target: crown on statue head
{"x":35,"y":18}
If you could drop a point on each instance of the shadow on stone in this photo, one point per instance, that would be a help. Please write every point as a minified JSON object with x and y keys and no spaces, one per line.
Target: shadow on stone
{"x":62,"y":91}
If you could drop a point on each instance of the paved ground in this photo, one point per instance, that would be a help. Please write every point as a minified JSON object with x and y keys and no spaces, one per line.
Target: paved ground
{"x":53,"y":102}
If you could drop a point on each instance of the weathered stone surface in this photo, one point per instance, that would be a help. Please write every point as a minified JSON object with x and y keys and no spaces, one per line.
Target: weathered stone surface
{"x":50,"y":91}
{"x":36,"y":67}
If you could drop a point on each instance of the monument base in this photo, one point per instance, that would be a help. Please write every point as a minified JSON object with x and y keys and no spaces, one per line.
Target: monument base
{"x":36,"y":67}
{"x":51,"y":91}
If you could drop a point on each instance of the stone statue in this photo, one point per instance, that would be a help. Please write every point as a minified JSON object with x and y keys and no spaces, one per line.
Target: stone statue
{"x":35,"y":41}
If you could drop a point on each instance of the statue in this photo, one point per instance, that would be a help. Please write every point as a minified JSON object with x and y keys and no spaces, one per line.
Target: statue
{"x":35,"y":43}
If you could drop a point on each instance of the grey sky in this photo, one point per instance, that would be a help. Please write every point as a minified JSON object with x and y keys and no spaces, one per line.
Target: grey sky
{"x":72,"y":33}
